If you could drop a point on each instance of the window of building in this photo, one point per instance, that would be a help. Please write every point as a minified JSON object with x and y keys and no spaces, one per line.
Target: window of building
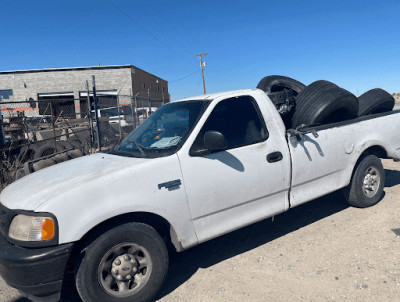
{"x":238,"y":119}
{"x":60,"y":104}
{"x":5,"y":94}
{"x":158,"y":88}
{"x":143,"y":85}
{"x":105,"y":99}
{"x":151,"y":86}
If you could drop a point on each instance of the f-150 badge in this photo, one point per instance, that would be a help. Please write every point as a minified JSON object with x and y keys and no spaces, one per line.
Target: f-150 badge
{"x":170,"y":185}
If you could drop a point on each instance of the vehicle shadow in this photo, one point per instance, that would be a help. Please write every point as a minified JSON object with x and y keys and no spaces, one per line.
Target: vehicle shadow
{"x":184,"y":265}
{"x":392,"y":178}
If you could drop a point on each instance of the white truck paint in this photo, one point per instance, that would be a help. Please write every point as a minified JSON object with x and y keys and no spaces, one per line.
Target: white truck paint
{"x":220,"y":192}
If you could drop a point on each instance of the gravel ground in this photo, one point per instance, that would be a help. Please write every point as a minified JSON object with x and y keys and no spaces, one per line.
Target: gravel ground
{"x":321,"y":251}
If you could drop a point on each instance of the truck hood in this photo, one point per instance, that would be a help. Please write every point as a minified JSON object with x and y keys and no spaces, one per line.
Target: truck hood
{"x":33,"y":190}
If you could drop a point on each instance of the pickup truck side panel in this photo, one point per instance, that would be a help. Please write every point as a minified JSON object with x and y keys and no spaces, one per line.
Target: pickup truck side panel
{"x":230,"y":189}
{"x":325,"y":164}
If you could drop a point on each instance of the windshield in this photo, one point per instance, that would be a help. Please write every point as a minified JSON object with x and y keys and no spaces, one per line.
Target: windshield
{"x":164,"y":131}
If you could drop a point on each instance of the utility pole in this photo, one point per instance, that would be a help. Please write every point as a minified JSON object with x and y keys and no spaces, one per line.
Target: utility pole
{"x":201,"y":66}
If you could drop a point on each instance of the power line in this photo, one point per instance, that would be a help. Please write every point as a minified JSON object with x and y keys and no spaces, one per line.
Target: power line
{"x":145,"y":29}
{"x":178,"y":31}
{"x":133,"y":20}
{"x":182,"y":78}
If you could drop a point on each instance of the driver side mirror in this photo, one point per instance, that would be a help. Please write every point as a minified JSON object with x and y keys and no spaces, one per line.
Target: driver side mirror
{"x":213,"y":141}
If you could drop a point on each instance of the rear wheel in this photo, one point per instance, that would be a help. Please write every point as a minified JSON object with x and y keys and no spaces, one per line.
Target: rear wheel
{"x":367,"y":183}
{"x":126,"y":263}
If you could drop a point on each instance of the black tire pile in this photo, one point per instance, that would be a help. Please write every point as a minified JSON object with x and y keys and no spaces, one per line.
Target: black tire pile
{"x":41,"y":149}
{"x":323,"y":102}
{"x":42,"y":154}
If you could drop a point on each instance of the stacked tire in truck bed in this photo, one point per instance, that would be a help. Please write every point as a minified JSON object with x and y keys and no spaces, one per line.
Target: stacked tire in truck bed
{"x":322,"y":102}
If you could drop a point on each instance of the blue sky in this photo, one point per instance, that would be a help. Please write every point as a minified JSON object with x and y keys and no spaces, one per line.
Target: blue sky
{"x":355,"y":44}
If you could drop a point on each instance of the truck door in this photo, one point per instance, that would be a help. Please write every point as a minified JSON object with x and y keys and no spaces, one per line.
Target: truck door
{"x":246,"y":182}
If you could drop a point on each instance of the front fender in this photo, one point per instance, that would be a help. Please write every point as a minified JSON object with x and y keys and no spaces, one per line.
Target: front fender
{"x":134,"y":189}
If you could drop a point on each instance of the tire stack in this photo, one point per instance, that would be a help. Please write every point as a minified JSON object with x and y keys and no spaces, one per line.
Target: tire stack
{"x":323,"y":102}
{"x":42,"y":154}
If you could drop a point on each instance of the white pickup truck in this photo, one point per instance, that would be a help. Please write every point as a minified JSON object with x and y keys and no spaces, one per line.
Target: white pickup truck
{"x":196,"y":169}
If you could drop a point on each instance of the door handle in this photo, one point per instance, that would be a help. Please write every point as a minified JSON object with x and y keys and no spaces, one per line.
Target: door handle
{"x":274,"y":157}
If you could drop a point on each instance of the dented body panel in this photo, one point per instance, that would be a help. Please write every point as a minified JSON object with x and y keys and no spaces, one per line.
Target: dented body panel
{"x":325,"y":164}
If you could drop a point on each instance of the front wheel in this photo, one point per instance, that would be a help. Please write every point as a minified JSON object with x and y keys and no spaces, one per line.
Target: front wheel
{"x":126,"y":263}
{"x":367,"y":183}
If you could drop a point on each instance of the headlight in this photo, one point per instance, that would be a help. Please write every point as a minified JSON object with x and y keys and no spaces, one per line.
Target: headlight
{"x":32,"y":228}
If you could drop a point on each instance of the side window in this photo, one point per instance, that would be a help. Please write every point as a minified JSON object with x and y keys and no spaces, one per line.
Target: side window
{"x":238,"y":119}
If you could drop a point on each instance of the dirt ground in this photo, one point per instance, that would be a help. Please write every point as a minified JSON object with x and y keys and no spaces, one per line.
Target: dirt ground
{"x":321,"y":251}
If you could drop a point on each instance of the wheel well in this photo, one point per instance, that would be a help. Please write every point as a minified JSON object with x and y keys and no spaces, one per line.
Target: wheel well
{"x":161,"y":225}
{"x":378,"y":151}
{"x":375,"y":150}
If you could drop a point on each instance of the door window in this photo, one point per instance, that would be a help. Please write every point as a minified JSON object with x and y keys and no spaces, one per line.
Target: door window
{"x":238,"y":119}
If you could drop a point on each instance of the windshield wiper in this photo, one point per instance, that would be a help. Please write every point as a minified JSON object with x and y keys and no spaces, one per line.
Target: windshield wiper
{"x":139,"y":147}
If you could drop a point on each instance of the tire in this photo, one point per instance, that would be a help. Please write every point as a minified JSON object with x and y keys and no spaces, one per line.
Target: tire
{"x":367,"y":183}
{"x":102,"y":261}
{"x":76,"y":143}
{"x":323,"y":102}
{"x":25,"y":154}
{"x":65,"y":145}
{"x":375,"y":101}
{"x":46,"y":148}
{"x":276,"y":83}
{"x":41,"y":164}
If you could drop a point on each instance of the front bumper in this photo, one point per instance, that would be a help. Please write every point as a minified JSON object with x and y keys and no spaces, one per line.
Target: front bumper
{"x":37,"y":272}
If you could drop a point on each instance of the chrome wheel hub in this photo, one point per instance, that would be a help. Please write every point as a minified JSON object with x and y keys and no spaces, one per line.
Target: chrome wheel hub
{"x":124,"y":269}
{"x":371,"y":181}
